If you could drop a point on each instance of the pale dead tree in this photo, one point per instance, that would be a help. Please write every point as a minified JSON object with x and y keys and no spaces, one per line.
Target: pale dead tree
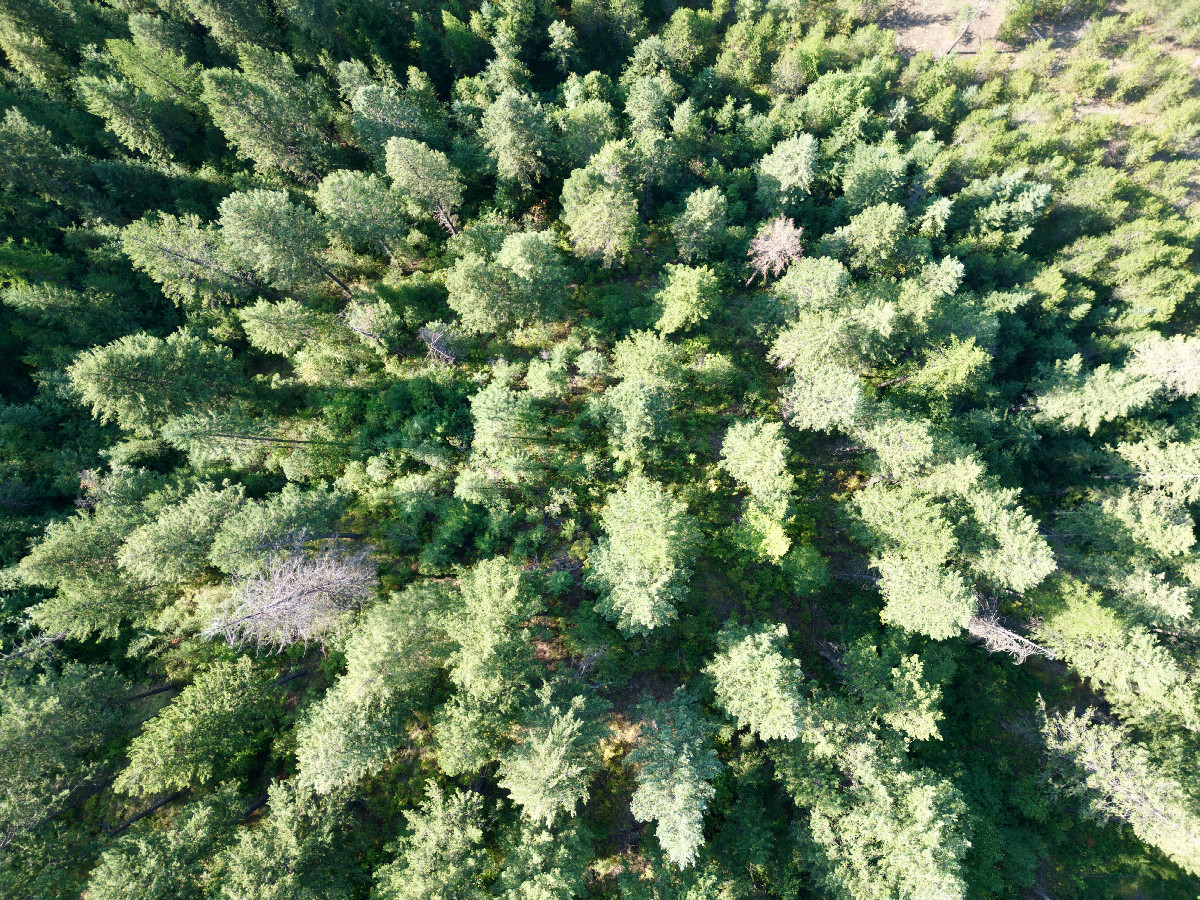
{"x":439,"y":341}
{"x":774,"y":248}
{"x":986,"y":628}
{"x":300,"y":597}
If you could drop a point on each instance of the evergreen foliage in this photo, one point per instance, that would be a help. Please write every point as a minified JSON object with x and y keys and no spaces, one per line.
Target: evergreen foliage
{"x":611,"y":449}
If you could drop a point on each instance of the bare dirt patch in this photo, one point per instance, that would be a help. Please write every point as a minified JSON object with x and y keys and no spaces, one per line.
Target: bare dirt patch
{"x":933,"y":25}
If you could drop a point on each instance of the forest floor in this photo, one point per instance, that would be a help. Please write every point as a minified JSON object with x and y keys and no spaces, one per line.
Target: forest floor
{"x":933,"y":25}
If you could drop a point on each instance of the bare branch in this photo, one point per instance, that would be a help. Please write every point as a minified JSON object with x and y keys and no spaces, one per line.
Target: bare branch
{"x":998,"y":639}
{"x":298,"y":598}
{"x":775,"y":247}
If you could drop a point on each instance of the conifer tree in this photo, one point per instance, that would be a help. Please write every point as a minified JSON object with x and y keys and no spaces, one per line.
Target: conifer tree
{"x":549,"y":771}
{"x":430,"y":186}
{"x":442,"y":857}
{"x":757,"y":684}
{"x":641,"y":565}
{"x":217,"y":722}
{"x":674,"y":765}
{"x":272,"y":117}
{"x":140,"y":381}
{"x":1116,"y":780}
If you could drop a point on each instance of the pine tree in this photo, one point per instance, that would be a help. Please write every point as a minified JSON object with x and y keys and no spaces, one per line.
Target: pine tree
{"x":442,"y":857}
{"x":280,"y":241}
{"x":550,"y":769}
{"x":430,"y":186}
{"x":601,"y":212}
{"x":169,"y":864}
{"x":674,"y":765}
{"x":363,"y":210}
{"x":785,"y":175}
{"x":701,"y":228}
{"x":757,"y":684}
{"x":1115,"y":779}
{"x":392,"y":656}
{"x":217,"y":723}
{"x":689,"y":295}
{"x":269,"y":114}
{"x":174,"y":547}
{"x":515,"y":130}
{"x":641,"y":565}
{"x":140,"y":381}
{"x":52,"y":730}
{"x":188,"y":259}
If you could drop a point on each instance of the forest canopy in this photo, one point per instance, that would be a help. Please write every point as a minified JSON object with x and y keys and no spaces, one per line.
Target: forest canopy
{"x":625,"y":449}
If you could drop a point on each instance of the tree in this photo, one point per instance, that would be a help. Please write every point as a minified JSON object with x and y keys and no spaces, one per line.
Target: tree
{"x":285,"y":327}
{"x":392,"y":657}
{"x":1173,"y":362}
{"x":641,"y":565}
{"x":1138,"y":676}
{"x":924,"y":598}
{"x":505,"y":423}
{"x":442,"y":857}
{"x":785,"y":174}
{"x":363,"y":210}
{"x":281,"y":241}
{"x":601,"y":213}
{"x":515,"y":130}
{"x":636,"y":413}
{"x":258,"y":530}
{"x":689,"y":295}
{"x":544,"y":864}
{"x":382,"y":109}
{"x":586,"y":125}
{"x":674,"y":765}
{"x":169,"y":864}
{"x":233,"y":22}
{"x":174,"y":547}
{"x":272,"y":117}
{"x":303,"y":848}
{"x":217,"y":723}
{"x":702,"y":226}
{"x":524,"y":282}
{"x":878,"y":241}
{"x":188,"y":259}
{"x":53,"y":727}
{"x":1116,"y":780}
{"x":491,"y":652}
{"x":774,"y":248}
{"x":874,"y":174}
{"x":298,"y":598}
{"x":140,"y":381}
{"x":549,"y":771}
{"x":430,"y":186}
{"x":757,"y":684}
{"x":898,"y":834}
{"x":1072,"y":399}
{"x":755,"y":454}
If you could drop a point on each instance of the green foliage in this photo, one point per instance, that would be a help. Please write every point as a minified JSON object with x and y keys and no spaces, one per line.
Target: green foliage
{"x":550,"y":769}
{"x":690,"y":295}
{"x":442,"y":856}
{"x":757,"y":684}
{"x":674,"y":766}
{"x":448,"y":351}
{"x":213,"y":726}
{"x":641,"y":565}
{"x":140,"y":381}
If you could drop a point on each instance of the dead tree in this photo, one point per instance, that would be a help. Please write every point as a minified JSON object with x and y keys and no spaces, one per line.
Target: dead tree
{"x":774,"y":248}
{"x":987,"y":629}
{"x":298,"y":598}
{"x":440,"y":342}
